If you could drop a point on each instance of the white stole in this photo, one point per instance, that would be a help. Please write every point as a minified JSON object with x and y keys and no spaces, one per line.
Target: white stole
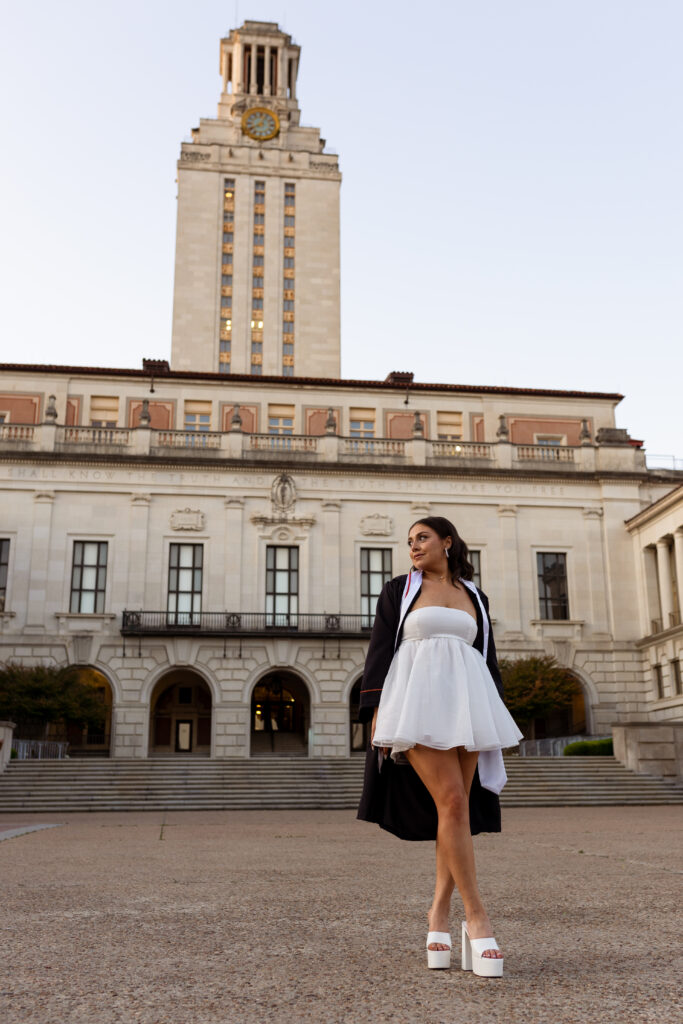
{"x":492,"y":774}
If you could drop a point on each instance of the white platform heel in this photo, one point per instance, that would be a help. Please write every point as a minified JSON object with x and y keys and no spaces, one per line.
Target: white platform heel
{"x":438,"y":957}
{"x":472,"y":959}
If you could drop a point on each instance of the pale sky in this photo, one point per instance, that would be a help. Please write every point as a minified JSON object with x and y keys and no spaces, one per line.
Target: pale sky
{"x":511,"y":203}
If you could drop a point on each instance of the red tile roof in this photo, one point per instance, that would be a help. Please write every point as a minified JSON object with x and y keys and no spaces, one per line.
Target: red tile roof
{"x":233,"y":378}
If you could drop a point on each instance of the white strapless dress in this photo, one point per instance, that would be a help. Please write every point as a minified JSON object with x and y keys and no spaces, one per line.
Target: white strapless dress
{"x":439,"y":692}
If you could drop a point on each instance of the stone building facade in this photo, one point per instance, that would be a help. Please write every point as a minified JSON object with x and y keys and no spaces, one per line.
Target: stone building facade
{"x":208,"y":538}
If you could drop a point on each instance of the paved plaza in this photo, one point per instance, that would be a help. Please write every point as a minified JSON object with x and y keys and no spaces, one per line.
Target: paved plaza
{"x":212,"y":917}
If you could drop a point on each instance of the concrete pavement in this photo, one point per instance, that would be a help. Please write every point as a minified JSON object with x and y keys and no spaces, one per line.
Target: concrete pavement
{"x":287,"y":916}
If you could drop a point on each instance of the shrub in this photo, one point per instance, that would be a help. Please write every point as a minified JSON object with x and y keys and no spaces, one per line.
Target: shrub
{"x":590,"y":748}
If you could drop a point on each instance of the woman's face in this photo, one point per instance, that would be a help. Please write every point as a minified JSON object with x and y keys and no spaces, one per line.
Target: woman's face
{"x":427,"y":548}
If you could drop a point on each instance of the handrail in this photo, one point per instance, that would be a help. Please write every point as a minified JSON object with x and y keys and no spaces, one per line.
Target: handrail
{"x":139,"y":623}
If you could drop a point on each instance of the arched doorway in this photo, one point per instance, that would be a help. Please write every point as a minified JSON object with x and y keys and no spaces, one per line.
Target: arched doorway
{"x":280,"y":715}
{"x":180,"y":715}
{"x":568,"y":720}
{"x":92,"y":740}
{"x":360,"y":731}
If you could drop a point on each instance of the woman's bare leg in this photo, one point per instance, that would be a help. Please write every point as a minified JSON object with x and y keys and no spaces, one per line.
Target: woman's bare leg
{"x":448,"y":774}
{"x":440,"y":910}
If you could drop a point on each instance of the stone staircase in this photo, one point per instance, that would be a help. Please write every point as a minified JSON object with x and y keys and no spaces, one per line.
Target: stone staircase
{"x":282,"y":782}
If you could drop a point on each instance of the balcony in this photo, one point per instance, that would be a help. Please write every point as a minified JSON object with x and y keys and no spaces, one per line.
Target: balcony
{"x":241,"y":624}
{"x":234,"y":445}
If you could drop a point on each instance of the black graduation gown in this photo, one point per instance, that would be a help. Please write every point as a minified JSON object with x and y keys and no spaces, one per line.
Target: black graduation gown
{"x":394,"y":797}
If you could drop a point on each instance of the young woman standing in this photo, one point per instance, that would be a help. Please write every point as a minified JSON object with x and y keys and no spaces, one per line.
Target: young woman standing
{"x":434,"y":768}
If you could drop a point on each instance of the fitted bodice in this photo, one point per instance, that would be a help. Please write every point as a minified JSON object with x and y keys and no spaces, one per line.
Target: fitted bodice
{"x":435,"y":621}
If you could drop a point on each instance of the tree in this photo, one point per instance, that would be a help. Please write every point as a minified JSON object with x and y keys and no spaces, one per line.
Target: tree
{"x":37,"y":696}
{"x":536,"y":686}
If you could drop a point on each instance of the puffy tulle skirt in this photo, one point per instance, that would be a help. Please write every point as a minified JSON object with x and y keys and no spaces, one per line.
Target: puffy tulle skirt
{"x":439,"y":692}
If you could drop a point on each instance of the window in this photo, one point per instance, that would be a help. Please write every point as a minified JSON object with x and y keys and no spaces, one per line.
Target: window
{"x":280,"y":419}
{"x":224,"y":367}
{"x":185,"y":567}
{"x":4,"y":566}
{"x":259,"y":218}
{"x":288,"y":305}
{"x":289,"y":242}
{"x":552,"y":585}
{"x":287,"y":327}
{"x":362,"y":422}
{"x":257,"y":369}
{"x":449,"y":426}
{"x":258,"y":261}
{"x":228,"y":237}
{"x":289,"y":262}
{"x":258,"y":240}
{"x":104,"y":410}
{"x":225,"y":346}
{"x":282,"y":586}
{"x":88,"y":577}
{"x":227,"y":259}
{"x":549,"y":439}
{"x":375,"y":570}
{"x":475,"y":559}
{"x":287,"y":349}
{"x":197,"y":420}
{"x":675,"y":668}
{"x":257,"y":304}
{"x":289,"y":222}
{"x":257,"y":282}
{"x":226,"y":280}
{"x":659,"y":681}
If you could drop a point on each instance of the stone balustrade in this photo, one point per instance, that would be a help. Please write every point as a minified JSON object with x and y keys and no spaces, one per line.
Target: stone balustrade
{"x":230,"y":445}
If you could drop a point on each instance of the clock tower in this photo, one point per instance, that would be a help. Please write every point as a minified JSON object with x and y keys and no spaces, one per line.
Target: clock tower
{"x":257,"y":248}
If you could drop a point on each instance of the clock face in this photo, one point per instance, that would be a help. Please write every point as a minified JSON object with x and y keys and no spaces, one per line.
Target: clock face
{"x":260,"y":123}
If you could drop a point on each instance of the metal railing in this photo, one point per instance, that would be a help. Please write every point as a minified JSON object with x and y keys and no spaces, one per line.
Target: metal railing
{"x":552,"y":746}
{"x":139,"y":623}
{"x":39,"y":750}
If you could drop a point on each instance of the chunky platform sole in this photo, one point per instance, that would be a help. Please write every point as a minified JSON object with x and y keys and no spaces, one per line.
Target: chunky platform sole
{"x":472,"y":959}
{"x":438,"y":958}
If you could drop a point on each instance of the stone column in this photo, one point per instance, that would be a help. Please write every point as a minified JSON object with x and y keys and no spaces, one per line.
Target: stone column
{"x":665,"y":582}
{"x":282,"y":71}
{"x":678,"y":558}
{"x":295,"y":71}
{"x":266,"y":72}
{"x":237,"y":67}
{"x":234,"y":524}
{"x":40,"y":552}
{"x":512,"y":609}
{"x":331,"y":556}
{"x":137,"y":551}
{"x":599,"y":609}
{"x":648,"y":562}
{"x":252,"y":76}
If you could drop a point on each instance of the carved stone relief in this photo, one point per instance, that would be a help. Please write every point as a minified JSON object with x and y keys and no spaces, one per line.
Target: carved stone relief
{"x":376,"y":525}
{"x":187,"y":519}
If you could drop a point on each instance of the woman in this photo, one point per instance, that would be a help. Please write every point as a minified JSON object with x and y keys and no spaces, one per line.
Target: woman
{"x":432,"y":687}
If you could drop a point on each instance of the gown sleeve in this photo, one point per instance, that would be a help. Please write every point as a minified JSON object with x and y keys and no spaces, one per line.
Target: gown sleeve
{"x":380,"y":651}
{"x":491,"y":657}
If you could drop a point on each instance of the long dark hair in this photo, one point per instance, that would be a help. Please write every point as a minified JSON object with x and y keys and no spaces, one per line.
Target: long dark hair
{"x":459,"y":564}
